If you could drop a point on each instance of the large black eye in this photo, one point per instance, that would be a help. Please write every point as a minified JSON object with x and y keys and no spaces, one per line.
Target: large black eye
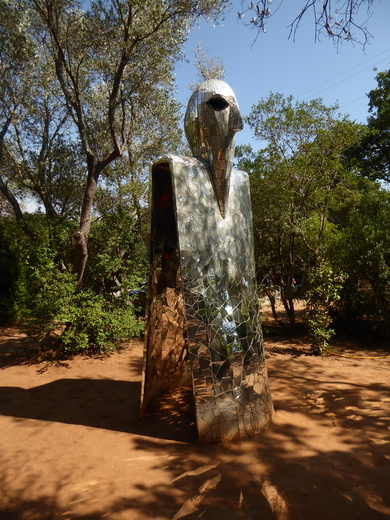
{"x":217,"y":103}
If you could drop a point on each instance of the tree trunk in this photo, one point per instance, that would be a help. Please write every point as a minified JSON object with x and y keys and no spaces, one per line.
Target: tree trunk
{"x":382,"y":304}
{"x":288,"y":302}
{"x":11,"y":199}
{"x":272,"y":299}
{"x":80,"y":237}
{"x":80,"y":241}
{"x":17,"y":210}
{"x":287,"y":296}
{"x":289,"y":306}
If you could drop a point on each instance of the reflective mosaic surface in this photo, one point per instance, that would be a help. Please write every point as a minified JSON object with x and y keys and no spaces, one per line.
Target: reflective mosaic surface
{"x":203,"y":326}
{"x":166,"y":364}
{"x":211,"y":121}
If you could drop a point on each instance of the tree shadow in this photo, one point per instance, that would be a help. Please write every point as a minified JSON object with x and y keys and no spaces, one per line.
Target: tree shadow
{"x":326,"y":455}
{"x":210,"y":483}
{"x":16,"y":348}
{"x":258,"y":479}
{"x":293,"y":346}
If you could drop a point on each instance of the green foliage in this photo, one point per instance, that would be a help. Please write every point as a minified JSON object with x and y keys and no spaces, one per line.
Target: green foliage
{"x":41,"y":292}
{"x":9,"y":274}
{"x":364,"y":252}
{"x":54,"y":305}
{"x":82,"y":320}
{"x":298,"y":182}
{"x":84,"y":85}
{"x":372,"y":158}
{"x":87,"y":98}
{"x":118,"y":240}
{"x":378,"y":144}
{"x":87,"y":94}
{"x":314,"y":215}
{"x":323,"y":291}
{"x":118,"y":255}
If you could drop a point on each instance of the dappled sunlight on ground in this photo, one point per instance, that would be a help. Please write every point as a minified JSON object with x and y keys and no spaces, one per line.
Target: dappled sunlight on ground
{"x":73,"y":447}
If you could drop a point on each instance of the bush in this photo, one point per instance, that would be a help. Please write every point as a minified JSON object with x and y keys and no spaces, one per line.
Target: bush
{"x":38,"y":290}
{"x":9,"y":273}
{"x":53,"y":306}
{"x":79,"y":320}
{"x":99,"y":325}
{"x":324,"y":287}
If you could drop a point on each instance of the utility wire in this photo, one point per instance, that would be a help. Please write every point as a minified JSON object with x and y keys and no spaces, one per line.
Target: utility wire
{"x":353,"y":101}
{"x":343,"y":73}
{"x":345,"y":79}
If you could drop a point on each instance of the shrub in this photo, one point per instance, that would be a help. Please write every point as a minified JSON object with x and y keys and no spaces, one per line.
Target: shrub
{"x":99,"y":325}
{"x":78,"y":320}
{"x":323,"y":290}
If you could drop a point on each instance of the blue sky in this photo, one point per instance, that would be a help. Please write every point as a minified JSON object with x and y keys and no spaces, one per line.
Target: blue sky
{"x":305,"y":69}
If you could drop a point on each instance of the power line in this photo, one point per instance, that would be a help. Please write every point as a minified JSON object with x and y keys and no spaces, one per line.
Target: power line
{"x":343,"y":73}
{"x":349,"y":77}
{"x":350,"y":102}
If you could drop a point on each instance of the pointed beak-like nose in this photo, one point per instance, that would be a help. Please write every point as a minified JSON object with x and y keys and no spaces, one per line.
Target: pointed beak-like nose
{"x":236,"y":121}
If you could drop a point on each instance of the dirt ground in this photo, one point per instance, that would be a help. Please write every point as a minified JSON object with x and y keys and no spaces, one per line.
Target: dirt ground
{"x":71,"y":445}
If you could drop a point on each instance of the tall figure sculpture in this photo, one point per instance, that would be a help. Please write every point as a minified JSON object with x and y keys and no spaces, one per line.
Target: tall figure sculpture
{"x":203,"y":325}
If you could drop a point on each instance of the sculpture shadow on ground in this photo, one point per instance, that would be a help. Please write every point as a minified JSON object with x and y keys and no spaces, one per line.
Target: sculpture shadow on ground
{"x":103,"y":403}
{"x":326,"y":455}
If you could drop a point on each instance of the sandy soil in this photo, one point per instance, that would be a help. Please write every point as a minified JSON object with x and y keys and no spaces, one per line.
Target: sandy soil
{"x":71,"y":445}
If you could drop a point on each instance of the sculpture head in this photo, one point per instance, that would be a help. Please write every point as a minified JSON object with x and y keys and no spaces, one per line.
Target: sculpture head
{"x":211,"y":121}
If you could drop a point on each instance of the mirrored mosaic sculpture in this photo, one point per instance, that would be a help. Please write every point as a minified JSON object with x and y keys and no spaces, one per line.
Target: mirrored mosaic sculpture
{"x":202,"y":327}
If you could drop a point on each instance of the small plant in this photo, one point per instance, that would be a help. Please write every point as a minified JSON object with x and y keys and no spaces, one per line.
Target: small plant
{"x":324,"y":288}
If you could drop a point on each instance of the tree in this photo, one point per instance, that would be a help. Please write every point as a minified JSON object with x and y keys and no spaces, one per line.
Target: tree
{"x":119,"y":237}
{"x":337,"y":20}
{"x":16,"y":53}
{"x":323,"y":292}
{"x":373,"y":156}
{"x":87,"y":103}
{"x":114,"y":63}
{"x":209,"y":67}
{"x":38,"y":158}
{"x":364,"y":251}
{"x":298,"y":183}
